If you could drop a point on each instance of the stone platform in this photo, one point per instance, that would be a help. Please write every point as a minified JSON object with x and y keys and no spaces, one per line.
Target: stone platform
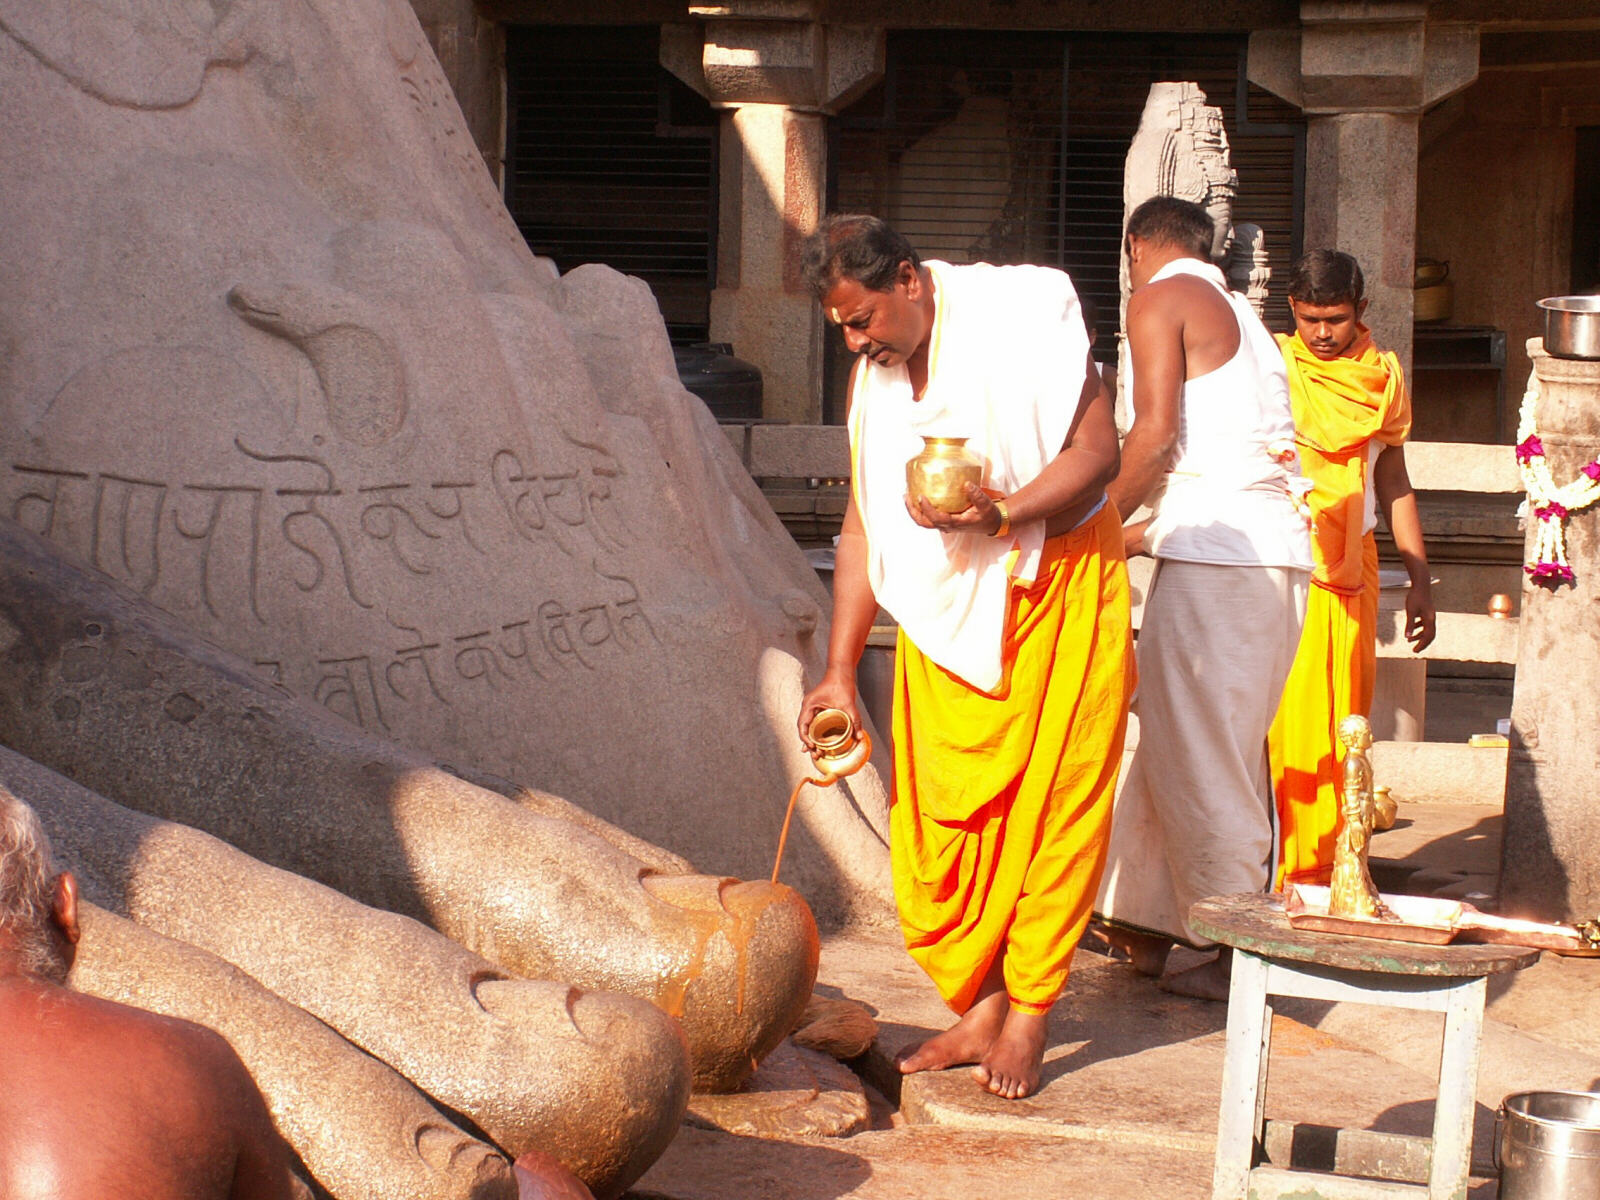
{"x":1132,"y":1082}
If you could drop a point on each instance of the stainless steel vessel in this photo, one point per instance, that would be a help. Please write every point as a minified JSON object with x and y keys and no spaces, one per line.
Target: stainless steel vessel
{"x":1547,"y":1145}
{"x":1572,"y":326}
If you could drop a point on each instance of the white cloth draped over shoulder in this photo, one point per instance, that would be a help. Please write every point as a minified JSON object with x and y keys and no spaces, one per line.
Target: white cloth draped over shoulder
{"x":1006,"y":368}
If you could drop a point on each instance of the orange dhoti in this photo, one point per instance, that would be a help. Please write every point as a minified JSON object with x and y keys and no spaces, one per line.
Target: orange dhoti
{"x":1341,"y":406}
{"x":1332,"y":677}
{"x":1003,"y":800}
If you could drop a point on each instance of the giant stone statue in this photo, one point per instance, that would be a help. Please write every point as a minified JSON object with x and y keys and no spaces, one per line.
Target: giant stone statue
{"x":337,"y":525}
{"x":278,"y":360}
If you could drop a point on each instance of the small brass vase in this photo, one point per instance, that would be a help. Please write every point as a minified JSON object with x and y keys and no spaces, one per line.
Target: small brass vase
{"x":1385,"y":808}
{"x":941,"y":472}
{"x":840,"y":748}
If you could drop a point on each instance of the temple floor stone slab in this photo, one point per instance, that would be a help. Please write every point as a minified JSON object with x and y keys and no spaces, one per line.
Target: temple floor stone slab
{"x":1126,"y":1062}
{"x":919,"y":1163}
{"x":794,"y":1093}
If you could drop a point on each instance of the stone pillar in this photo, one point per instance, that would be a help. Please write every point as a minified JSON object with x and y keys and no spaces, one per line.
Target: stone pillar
{"x":1550,"y":850}
{"x":776,"y":72}
{"x":1364,"y":72}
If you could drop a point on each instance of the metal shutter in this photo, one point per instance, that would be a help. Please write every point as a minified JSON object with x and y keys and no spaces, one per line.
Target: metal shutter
{"x":610,"y":159}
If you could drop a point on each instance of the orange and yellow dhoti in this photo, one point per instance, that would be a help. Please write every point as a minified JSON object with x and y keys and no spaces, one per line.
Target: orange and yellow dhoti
{"x":1340,"y":406}
{"x":1003,"y":798}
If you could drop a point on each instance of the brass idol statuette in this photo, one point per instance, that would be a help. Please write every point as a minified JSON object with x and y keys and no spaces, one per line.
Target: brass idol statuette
{"x":1351,"y":892}
{"x":942,"y":471}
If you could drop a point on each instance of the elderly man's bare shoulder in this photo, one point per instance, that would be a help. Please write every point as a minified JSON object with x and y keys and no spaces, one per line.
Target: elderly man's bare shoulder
{"x":43,"y":1015}
{"x":170,"y":1106}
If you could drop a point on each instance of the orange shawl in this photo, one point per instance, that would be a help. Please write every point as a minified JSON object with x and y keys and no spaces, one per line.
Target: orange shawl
{"x":1340,"y":405}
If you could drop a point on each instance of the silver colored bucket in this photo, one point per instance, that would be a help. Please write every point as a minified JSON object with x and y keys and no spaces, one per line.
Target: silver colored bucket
{"x":1572,"y":326}
{"x":1547,"y":1146}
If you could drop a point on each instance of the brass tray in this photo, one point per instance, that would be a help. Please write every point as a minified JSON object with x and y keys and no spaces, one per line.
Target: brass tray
{"x":1420,"y":919}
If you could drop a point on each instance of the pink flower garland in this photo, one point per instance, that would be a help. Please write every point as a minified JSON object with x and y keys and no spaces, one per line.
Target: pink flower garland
{"x":1550,"y":505}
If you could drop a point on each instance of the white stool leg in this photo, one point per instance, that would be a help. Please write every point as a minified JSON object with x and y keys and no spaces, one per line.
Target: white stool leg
{"x":1458,"y":1092}
{"x":1244,"y":1069}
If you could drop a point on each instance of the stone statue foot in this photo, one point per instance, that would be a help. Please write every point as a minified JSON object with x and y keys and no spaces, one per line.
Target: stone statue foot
{"x":745,"y":964}
{"x":601,"y":1080}
{"x":360,"y":1130}
{"x":221,"y":749}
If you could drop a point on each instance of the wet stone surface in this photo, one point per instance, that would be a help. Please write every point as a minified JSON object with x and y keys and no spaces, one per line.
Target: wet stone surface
{"x":795,"y":1093}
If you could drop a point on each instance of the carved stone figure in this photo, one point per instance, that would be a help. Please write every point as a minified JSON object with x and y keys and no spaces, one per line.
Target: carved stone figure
{"x":1181,"y":149}
{"x":1248,"y":267}
{"x":1351,"y":891}
{"x":278,"y":359}
{"x":360,"y":1130}
{"x":599,"y":1079}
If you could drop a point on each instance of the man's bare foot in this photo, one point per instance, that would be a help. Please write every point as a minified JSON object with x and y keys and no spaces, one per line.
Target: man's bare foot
{"x":1146,"y":951}
{"x":967,"y":1041}
{"x":1208,"y":981}
{"x":1011,"y":1067}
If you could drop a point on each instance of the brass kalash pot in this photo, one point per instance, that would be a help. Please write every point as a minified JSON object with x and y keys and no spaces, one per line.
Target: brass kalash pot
{"x":942,"y":471}
{"x":840,"y":748}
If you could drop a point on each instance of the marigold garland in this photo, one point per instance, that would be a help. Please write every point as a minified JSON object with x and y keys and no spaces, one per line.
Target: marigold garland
{"x":1549,"y":505}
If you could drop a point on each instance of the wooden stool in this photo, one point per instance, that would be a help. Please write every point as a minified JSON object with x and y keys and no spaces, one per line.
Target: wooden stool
{"x":1272,"y":958}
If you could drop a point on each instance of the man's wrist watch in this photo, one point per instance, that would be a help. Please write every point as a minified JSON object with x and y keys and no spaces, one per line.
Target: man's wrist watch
{"x":1005,"y":519}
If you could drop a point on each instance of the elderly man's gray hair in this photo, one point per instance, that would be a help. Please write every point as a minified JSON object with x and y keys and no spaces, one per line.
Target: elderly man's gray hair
{"x":27,"y":889}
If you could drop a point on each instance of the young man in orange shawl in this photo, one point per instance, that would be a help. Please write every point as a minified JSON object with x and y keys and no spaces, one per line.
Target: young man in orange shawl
{"x":1013,"y":668}
{"x":1351,"y":414}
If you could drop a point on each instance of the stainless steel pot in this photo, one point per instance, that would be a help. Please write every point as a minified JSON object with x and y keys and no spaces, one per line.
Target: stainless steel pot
{"x":1572,"y":326}
{"x":1547,"y":1146}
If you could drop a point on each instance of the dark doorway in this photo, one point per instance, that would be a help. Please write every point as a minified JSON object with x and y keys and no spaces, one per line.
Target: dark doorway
{"x":611,"y":159}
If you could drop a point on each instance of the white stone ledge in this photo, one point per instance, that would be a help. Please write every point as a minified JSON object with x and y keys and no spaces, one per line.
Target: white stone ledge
{"x":1462,"y":467}
{"x":1441,"y":772}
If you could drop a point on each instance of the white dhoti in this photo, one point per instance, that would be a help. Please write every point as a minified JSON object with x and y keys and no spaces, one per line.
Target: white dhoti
{"x":1195,"y":816}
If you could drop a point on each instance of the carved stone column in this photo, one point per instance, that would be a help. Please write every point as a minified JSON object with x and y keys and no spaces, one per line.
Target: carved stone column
{"x":1364,"y":73}
{"x":776,"y":72}
{"x":1550,"y":850}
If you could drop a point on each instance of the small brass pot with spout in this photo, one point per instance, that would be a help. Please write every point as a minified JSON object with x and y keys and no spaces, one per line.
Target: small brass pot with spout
{"x":941,"y":472}
{"x":840,"y":748}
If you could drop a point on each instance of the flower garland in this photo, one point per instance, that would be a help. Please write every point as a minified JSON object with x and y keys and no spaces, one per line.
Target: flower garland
{"x":1549,"y":505}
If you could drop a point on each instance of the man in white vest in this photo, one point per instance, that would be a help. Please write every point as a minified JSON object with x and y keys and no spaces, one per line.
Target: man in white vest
{"x":1211,"y":449}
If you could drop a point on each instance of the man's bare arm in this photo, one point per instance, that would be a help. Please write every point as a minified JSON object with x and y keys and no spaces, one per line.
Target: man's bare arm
{"x":1392,"y":484}
{"x":1155,"y":343}
{"x":262,"y":1164}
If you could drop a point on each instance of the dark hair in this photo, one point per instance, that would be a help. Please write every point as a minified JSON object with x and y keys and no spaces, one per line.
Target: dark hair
{"x":1169,"y":221}
{"x":1324,"y":277}
{"x":854,"y":246}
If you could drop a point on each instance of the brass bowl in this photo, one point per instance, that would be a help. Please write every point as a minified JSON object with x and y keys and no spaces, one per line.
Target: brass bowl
{"x":941,"y":472}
